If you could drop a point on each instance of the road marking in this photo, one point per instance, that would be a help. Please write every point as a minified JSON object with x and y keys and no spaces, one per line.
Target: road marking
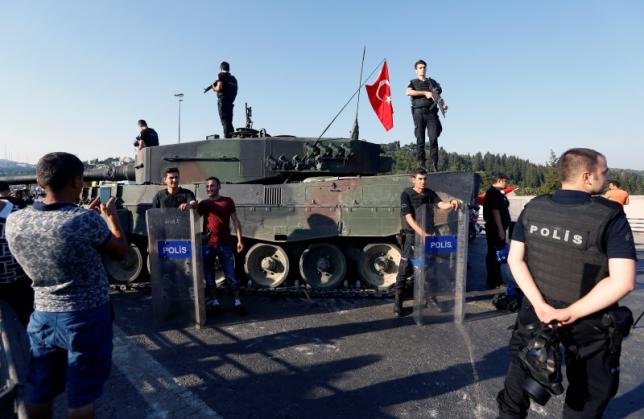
{"x":155,"y":384}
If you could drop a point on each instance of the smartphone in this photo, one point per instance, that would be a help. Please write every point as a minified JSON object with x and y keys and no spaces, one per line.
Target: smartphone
{"x":104,"y":194}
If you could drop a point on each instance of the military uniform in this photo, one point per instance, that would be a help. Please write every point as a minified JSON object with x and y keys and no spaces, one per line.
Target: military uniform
{"x":569,"y":238}
{"x":425,"y":114}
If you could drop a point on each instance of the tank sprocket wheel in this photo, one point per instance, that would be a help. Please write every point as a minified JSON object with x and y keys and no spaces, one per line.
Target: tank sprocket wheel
{"x":266,"y":265}
{"x":126,"y":270}
{"x":379,"y":264}
{"x":323,"y":266}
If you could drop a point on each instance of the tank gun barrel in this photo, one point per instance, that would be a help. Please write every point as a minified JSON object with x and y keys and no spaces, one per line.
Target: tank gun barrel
{"x":113,"y":173}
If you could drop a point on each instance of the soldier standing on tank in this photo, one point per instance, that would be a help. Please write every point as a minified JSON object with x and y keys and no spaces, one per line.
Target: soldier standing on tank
{"x":226,"y":89}
{"x":410,"y":200}
{"x":573,"y":256}
{"x":425,"y":114}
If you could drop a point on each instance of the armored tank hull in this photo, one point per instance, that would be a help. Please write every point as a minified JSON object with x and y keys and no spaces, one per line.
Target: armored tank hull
{"x":319,"y":212}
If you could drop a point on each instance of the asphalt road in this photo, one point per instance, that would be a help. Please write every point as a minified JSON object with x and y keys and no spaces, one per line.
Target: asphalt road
{"x":330,"y":358}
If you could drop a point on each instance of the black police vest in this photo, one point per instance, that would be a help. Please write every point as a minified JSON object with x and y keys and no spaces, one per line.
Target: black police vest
{"x":228,"y":92}
{"x":564,"y":249}
{"x":422,"y":86}
{"x":417,"y":200}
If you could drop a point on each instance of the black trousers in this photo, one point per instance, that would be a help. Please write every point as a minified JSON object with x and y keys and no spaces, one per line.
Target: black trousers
{"x":405,"y":269}
{"x":593,"y":374}
{"x":226,"y":117}
{"x":426,"y":120}
{"x":492,"y":266}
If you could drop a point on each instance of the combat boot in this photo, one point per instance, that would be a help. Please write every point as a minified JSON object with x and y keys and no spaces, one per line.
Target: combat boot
{"x":423,"y":164}
{"x":435,"y":167}
{"x":398,"y":304}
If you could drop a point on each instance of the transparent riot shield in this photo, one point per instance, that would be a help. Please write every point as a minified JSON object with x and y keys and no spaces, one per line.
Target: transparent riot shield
{"x":176,"y":270}
{"x":440,"y":265}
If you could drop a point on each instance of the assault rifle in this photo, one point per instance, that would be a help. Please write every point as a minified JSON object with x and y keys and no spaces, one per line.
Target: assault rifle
{"x":209,"y":87}
{"x":438,"y":100}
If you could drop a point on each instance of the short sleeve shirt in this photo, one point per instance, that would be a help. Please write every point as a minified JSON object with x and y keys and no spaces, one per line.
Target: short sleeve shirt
{"x":10,"y":270}
{"x":410,"y":201}
{"x":617,"y":195}
{"x":164,"y":199}
{"x":496,"y":200}
{"x":217,"y":214}
{"x":228,"y":92}
{"x":618,"y":237}
{"x":426,"y":85}
{"x":58,"y":247}
{"x":150,"y":137}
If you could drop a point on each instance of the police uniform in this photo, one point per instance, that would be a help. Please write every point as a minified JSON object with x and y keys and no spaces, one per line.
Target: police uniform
{"x":225,"y":103}
{"x":569,"y":238}
{"x":425,"y":114}
{"x":410,"y":201}
{"x":495,"y":200}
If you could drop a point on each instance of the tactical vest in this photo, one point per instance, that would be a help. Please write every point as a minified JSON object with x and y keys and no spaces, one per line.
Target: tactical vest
{"x":418,"y":200}
{"x":422,"y":86}
{"x":228,"y":92}
{"x":564,"y":248}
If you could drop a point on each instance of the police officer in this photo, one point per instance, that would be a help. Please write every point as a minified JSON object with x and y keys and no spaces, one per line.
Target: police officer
{"x":425,"y":113}
{"x":573,"y":256}
{"x":226,"y":88}
{"x":497,"y":220}
{"x":410,"y":200}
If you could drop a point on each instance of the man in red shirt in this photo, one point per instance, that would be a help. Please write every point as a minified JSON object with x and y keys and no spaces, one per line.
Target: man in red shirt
{"x":218,"y":211}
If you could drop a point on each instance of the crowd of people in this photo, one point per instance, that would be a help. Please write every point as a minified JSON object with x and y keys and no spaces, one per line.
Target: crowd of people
{"x":571,"y":254}
{"x":54,"y":278}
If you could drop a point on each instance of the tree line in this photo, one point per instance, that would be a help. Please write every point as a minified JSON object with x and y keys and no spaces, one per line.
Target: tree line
{"x":532,"y":179}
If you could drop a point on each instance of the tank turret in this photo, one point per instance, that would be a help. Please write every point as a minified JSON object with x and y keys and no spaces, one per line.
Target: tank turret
{"x":263,"y":160}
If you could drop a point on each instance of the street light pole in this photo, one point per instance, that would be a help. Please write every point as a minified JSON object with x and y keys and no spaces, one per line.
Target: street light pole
{"x":180,"y":97}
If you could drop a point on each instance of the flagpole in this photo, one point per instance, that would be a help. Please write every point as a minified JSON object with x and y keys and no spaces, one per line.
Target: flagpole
{"x":355,"y":132}
{"x":350,"y":99}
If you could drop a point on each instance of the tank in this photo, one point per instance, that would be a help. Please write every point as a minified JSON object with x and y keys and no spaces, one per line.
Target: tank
{"x":316,"y":211}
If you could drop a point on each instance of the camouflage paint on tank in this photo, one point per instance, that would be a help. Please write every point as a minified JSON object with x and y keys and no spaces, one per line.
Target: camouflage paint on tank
{"x":266,"y":160}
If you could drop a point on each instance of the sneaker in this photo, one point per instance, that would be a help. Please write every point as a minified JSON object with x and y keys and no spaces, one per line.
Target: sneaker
{"x":240,"y":310}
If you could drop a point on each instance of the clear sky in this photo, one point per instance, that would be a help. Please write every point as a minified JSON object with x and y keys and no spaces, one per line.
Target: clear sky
{"x":519,"y":77}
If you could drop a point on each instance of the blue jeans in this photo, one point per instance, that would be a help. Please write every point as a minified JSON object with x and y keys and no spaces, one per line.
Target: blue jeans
{"x":72,"y":349}
{"x":227,"y":261}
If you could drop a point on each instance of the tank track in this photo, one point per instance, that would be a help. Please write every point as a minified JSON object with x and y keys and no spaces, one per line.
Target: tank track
{"x":291,"y":291}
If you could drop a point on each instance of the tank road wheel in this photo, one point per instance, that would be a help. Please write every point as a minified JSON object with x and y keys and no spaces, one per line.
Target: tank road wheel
{"x":379,"y":264}
{"x":323,"y":265}
{"x":126,"y":270}
{"x":266,"y":265}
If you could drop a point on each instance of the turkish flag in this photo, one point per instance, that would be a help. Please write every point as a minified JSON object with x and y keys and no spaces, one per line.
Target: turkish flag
{"x":380,"y":97}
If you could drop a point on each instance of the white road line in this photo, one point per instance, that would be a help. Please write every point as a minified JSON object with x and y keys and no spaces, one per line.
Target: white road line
{"x":156,"y":385}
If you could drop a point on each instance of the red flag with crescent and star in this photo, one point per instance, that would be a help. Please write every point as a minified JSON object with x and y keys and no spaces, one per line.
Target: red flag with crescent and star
{"x":380,"y":97}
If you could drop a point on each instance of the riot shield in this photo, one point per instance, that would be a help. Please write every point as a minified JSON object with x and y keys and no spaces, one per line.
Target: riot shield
{"x":440,"y":265}
{"x":176,"y":270}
